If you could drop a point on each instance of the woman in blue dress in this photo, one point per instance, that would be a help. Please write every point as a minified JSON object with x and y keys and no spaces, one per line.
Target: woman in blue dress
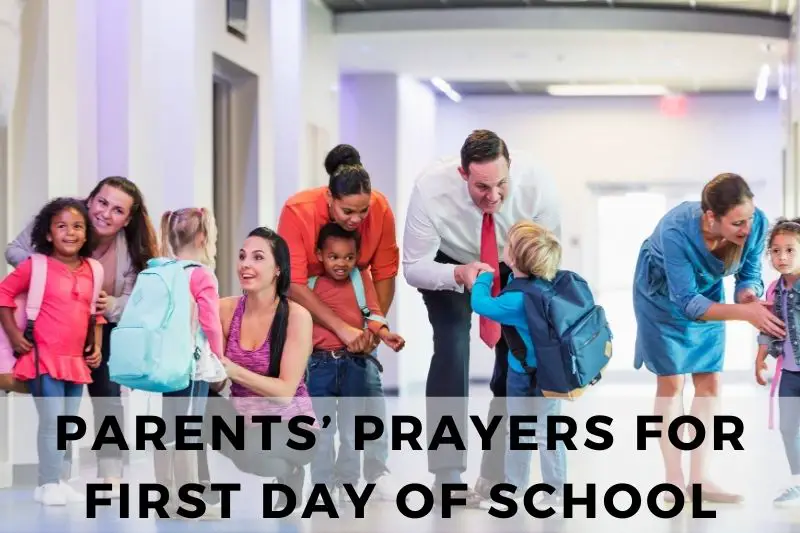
{"x":680,"y":308}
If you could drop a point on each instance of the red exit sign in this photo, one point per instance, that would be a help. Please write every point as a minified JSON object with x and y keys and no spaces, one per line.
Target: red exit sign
{"x":673,"y":105}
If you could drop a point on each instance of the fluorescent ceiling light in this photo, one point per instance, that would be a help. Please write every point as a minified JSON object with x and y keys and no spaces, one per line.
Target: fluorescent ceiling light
{"x":607,"y":90}
{"x":443,"y":86}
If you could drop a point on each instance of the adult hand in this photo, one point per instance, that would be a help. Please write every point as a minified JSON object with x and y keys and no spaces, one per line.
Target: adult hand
{"x":364,"y":343}
{"x":759,"y":314}
{"x":761,"y":368}
{"x":229,"y":366}
{"x":465,"y":274}
{"x":20,"y":344}
{"x":95,"y":358}
{"x":102,"y":302}
{"x":745,"y":296}
{"x":349,"y":335}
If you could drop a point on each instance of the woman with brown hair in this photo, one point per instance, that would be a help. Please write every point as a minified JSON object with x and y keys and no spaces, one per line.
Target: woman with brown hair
{"x":679,"y":302}
{"x":126,"y":240}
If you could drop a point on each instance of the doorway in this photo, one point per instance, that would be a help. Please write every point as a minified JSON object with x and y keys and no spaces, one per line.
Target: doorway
{"x":222,"y":182}
{"x":236,"y":163}
{"x":624,"y":219}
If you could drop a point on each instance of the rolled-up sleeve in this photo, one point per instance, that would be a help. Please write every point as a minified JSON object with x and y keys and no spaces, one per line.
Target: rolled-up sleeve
{"x":20,"y":248}
{"x":290,"y":227}
{"x":386,"y":261}
{"x":117,"y":304}
{"x":681,"y":277}
{"x":749,"y":274}
{"x":420,"y":244}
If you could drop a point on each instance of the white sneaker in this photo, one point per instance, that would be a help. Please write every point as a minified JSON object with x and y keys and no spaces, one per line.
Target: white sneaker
{"x":50,"y":494}
{"x":72,"y":495}
{"x":385,"y":489}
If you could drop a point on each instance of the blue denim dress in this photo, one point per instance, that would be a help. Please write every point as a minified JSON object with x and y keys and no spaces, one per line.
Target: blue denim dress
{"x":677,"y":279}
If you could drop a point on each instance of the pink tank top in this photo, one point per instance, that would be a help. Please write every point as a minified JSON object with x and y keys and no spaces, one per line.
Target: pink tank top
{"x":247,"y":402}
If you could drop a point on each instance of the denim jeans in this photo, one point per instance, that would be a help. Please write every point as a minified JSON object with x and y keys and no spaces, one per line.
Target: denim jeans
{"x":338,"y":386}
{"x":525,"y":399}
{"x":53,"y":398}
{"x":376,"y":452}
{"x":789,"y":412}
{"x":447,"y":385}
{"x":107,"y":402}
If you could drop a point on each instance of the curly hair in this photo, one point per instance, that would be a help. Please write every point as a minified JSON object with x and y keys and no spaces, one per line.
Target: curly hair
{"x":41,"y":226}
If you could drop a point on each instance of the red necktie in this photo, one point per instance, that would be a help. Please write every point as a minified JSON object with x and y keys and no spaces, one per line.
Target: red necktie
{"x":490,"y":330}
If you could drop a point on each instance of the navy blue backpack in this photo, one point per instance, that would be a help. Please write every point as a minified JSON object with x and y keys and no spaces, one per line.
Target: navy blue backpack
{"x":570,"y":333}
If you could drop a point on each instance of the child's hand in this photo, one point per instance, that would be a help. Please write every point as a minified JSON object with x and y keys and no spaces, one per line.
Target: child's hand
{"x":20,"y":344}
{"x":761,"y":368}
{"x":94,"y":360}
{"x":392,"y":340}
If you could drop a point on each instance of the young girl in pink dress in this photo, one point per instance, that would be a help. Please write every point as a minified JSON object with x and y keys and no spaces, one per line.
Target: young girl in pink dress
{"x":62,"y":233}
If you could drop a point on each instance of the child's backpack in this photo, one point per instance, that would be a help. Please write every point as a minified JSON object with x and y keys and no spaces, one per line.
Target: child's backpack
{"x":154,"y":347}
{"x":570,"y":333}
{"x":26,"y":313}
{"x":361,"y":298}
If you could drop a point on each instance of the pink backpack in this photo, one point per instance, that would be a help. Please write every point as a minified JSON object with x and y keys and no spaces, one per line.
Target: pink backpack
{"x":27,"y":311}
{"x":778,"y":365}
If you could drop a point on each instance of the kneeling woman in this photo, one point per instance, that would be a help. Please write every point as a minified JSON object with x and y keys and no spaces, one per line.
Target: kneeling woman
{"x":268,"y":343}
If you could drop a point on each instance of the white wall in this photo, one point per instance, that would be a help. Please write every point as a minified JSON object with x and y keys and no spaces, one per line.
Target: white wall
{"x":305,"y":94}
{"x":584,"y":141}
{"x":125,"y":87}
{"x":394,"y":149}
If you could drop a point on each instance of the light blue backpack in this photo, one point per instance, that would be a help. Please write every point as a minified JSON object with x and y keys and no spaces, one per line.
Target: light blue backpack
{"x":154,"y":347}
{"x":361,"y":298}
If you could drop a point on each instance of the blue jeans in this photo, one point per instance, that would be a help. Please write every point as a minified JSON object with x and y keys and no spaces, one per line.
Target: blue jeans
{"x":376,"y":452}
{"x":53,"y":398}
{"x":525,"y":399}
{"x":338,"y":385}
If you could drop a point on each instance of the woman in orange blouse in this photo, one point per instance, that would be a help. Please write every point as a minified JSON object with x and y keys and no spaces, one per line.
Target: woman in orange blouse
{"x":350,"y":202}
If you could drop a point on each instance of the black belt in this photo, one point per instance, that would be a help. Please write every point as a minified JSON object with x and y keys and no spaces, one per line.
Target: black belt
{"x":339,"y":354}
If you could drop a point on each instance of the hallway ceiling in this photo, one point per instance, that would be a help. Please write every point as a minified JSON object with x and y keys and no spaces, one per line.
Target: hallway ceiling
{"x":518,"y":61}
{"x":771,"y":7}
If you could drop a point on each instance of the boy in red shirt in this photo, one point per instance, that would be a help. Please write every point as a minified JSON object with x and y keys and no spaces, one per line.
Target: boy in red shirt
{"x":337,"y":377}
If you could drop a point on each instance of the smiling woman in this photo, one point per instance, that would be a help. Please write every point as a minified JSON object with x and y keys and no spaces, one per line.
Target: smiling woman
{"x":681,"y":311}
{"x":125,"y":241}
{"x":350,"y":202}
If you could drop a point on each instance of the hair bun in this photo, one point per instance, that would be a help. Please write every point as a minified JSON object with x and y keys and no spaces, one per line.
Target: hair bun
{"x":343,"y":154}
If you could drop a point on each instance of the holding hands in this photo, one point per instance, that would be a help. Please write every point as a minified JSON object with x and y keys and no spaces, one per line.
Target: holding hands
{"x":466,"y":274}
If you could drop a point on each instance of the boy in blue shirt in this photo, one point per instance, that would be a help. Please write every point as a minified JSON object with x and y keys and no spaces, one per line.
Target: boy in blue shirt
{"x":532,"y":252}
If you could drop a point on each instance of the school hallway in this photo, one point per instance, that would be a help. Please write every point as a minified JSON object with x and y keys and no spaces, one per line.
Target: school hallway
{"x":758,"y":472}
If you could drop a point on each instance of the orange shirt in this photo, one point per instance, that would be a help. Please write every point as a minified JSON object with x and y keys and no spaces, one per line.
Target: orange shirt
{"x":305,"y":213}
{"x":341,"y":298}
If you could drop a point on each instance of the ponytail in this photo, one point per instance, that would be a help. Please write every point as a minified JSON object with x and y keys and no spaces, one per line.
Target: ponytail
{"x":166,"y":248}
{"x":277,"y":336}
{"x":280,"y":323}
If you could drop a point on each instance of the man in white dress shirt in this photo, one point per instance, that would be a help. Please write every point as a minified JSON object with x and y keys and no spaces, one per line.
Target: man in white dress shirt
{"x":458,"y":216}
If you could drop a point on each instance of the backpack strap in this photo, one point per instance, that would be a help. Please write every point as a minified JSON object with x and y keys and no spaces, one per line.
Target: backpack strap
{"x":312,"y":282}
{"x":358,"y":287}
{"x":36,"y":287}
{"x":771,"y":291}
{"x":97,"y":274}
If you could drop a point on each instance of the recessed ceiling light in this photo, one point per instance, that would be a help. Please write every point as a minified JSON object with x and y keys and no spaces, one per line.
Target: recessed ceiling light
{"x":608,"y":90}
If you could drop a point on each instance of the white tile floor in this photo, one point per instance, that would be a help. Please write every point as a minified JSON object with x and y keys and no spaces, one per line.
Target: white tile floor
{"x":758,"y":472}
